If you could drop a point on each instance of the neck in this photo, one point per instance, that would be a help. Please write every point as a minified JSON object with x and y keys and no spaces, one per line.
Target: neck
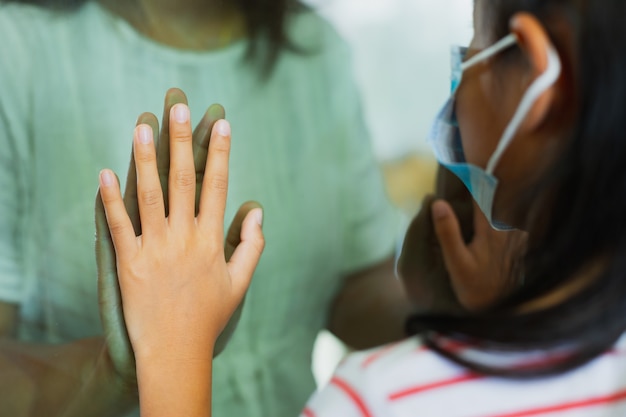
{"x":184,"y":24}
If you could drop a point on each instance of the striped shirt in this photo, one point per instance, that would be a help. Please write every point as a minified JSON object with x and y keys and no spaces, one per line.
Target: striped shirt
{"x":408,"y":379}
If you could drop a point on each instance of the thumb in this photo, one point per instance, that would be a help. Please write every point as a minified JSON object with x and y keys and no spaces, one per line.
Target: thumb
{"x":456,"y":255}
{"x":233,"y":236}
{"x":247,"y":254}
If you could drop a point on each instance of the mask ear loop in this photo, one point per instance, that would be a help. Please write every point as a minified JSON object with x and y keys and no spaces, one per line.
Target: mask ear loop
{"x":541,"y":84}
{"x":501,"y":45}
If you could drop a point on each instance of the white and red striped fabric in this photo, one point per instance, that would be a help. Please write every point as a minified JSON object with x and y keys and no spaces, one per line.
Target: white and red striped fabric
{"x":407,"y":379}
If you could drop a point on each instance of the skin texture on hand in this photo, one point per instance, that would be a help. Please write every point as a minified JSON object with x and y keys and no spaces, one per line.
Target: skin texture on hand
{"x":111,"y":312}
{"x":178,"y":290}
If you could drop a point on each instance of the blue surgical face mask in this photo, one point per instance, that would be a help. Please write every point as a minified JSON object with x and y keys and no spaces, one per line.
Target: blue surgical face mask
{"x":445,"y":137}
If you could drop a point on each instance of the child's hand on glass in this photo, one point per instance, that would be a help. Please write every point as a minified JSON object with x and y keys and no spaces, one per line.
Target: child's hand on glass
{"x":178,"y":290}
{"x":452,"y":260}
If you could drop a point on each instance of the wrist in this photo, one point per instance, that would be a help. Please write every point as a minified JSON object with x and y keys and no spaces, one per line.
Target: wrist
{"x":175,"y":347}
{"x":173,"y":383}
{"x":173,"y":357}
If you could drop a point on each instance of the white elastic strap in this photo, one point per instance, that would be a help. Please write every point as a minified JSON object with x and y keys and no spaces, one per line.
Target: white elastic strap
{"x":541,"y":84}
{"x":502,"y":44}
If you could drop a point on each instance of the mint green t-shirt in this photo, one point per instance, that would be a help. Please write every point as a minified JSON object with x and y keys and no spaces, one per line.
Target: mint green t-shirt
{"x":71,"y":87}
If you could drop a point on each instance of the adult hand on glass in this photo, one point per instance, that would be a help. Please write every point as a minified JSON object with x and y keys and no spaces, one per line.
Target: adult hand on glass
{"x":178,"y":289}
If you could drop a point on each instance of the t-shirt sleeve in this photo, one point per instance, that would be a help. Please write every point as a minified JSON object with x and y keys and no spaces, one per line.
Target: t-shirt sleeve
{"x":15,"y":90}
{"x":347,"y":394}
{"x":372,"y":223}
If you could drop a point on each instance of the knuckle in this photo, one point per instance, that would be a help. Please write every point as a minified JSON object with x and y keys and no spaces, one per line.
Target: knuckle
{"x":182,"y":135}
{"x":116,"y":227}
{"x":220,"y":144}
{"x":144,"y":156}
{"x":218,"y":183}
{"x":136,"y":270}
{"x":185,"y":179}
{"x":260,"y":243}
{"x":151,"y":198}
{"x":109,"y":197}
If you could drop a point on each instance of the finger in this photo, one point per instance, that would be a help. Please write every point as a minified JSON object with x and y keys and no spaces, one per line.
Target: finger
{"x":119,"y":224}
{"x":215,"y":183}
{"x":105,"y":251}
{"x":172,"y":97}
{"x":248,"y":252}
{"x":202,"y":132}
{"x":485,"y":236}
{"x":109,"y":295}
{"x":458,"y":259}
{"x":182,"y":181}
{"x":130,"y":191}
{"x":201,"y":138}
{"x":481,"y":224}
{"x":150,"y":196}
{"x":487,"y":239}
{"x":233,"y":236}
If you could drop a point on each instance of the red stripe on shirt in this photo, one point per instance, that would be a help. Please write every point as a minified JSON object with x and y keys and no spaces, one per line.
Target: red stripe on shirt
{"x":542,"y":362}
{"x":350,"y":392}
{"x":307,"y":412}
{"x":433,"y":385}
{"x":615,"y":352}
{"x":377,"y":355}
{"x":590,"y":402}
{"x":454,"y":346}
{"x":422,"y":349}
{"x":450,"y":345}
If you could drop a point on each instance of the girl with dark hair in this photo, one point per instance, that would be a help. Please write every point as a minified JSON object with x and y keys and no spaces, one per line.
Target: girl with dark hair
{"x":72,"y":75}
{"x":536,"y":320}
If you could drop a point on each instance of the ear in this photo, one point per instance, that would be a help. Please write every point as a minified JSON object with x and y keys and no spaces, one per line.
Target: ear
{"x":534,"y":42}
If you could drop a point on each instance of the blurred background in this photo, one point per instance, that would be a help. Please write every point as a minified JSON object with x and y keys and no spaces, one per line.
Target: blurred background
{"x":401,"y":61}
{"x":401,"y":51}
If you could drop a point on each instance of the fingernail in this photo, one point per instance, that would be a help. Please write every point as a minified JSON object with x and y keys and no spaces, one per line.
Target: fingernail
{"x":222,"y":127}
{"x":440,"y":210}
{"x":259,"y":216}
{"x":181,"y":113}
{"x":106,"y":178}
{"x":144,"y":132}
